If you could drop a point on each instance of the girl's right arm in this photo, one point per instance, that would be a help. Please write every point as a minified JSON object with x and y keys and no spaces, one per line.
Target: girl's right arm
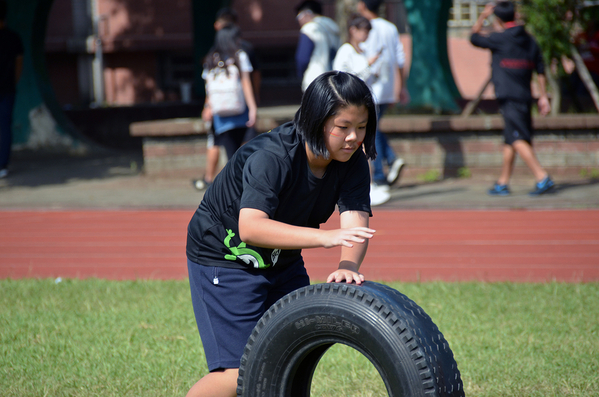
{"x":256,"y":228}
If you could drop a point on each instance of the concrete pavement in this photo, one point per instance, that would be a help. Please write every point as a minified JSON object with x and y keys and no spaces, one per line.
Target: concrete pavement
{"x":112,"y":179}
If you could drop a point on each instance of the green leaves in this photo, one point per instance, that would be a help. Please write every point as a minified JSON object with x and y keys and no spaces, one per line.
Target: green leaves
{"x":552,"y":22}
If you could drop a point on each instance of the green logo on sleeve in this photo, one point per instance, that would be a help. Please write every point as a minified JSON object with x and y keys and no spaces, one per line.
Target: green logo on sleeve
{"x":247,"y":255}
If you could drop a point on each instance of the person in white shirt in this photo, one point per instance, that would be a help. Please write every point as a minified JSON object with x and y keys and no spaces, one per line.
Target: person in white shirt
{"x":226,"y":17}
{"x":384,"y":40}
{"x":229,"y":129}
{"x":317,"y":44}
{"x":351,"y":58}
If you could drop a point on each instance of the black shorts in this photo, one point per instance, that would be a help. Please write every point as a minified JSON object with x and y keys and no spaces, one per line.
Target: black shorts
{"x":228,"y":303}
{"x":517,"y":119}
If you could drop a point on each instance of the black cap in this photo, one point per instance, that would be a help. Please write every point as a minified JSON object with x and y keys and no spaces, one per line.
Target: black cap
{"x":505,"y":11}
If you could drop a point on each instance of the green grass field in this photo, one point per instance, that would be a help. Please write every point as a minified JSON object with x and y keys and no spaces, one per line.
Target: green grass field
{"x":134,"y":338}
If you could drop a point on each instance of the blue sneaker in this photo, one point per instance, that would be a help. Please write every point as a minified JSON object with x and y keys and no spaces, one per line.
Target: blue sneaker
{"x":543,"y":187}
{"x":499,"y":190}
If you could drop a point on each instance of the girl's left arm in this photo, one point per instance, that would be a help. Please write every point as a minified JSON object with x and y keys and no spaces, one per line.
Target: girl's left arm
{"x":248,"y":94}
{"x":351,"y":257}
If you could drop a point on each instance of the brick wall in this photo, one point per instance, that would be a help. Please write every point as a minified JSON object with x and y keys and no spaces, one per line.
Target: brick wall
{"x":178,"y":156}
{"x":564,"y":152}
{"x":565,"y":145}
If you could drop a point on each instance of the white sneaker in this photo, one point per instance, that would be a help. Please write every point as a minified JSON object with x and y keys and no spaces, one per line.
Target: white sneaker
{"x":395,"y":171}
{"x":380,"y":186}
{"x":3,"y":173}
{"x":201,"y":184}
{"x":379,"y":194}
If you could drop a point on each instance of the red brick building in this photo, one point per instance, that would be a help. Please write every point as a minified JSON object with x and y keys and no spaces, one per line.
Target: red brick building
{"x":150,"y":48}
{"x":147,"y":49}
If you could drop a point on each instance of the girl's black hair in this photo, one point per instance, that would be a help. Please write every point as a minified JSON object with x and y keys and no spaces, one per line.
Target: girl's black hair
{"x":324,"y":97}
{"x":227,"y":43}
{"x":228,"y":15}
{"x":311,"y":5}
{"x":359,"y":22}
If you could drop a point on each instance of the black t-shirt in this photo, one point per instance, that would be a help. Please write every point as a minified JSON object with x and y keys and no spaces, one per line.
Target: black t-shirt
{"x":11,"y":47}
{"x":515,"y":54}
{"x":271,"y":173}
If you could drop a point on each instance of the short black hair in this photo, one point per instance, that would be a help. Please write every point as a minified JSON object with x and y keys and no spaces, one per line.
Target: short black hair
{"x":372,"y":5}
{"x":324,"y":97}
{"x":311,"y":5}
{"x":227,"y":14}
{"x":227,"y":44}
{"x":3,"y":10}
{"x":359,"y":22}
{"x":505,"y":11}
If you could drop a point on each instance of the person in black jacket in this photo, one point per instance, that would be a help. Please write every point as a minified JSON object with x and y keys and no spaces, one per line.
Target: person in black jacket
{"x":515,"y":55}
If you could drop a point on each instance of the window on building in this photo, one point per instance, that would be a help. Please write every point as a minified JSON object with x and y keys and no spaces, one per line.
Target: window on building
{"x":464,"y":13}
{"x":176,"y":68}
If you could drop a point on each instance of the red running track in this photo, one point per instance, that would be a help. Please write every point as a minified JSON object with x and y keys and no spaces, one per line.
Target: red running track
{"x":521,"y":246}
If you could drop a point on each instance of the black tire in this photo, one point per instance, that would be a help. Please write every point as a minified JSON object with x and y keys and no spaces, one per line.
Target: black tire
{"x":394,"y":333}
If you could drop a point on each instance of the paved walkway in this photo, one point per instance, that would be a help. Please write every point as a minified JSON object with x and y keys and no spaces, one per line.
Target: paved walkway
{"x":99,"y":216}
{"x":113,"y":180}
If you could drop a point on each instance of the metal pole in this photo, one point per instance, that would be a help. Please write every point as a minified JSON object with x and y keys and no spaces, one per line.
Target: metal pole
{"x":98,"y":62}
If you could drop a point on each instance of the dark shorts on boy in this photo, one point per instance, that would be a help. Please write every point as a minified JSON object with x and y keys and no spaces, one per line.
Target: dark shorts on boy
{"x":228,"y":303}
{"x":517,"y":119}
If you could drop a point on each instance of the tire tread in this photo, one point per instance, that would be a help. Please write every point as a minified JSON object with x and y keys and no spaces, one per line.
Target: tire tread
{"x":428,"y":349}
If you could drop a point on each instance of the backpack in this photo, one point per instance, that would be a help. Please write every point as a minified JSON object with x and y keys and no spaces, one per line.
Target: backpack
{"x":225,"y":93}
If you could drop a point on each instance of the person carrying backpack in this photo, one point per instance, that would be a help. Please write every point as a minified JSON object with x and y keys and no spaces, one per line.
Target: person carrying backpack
{"x":230,"y":101}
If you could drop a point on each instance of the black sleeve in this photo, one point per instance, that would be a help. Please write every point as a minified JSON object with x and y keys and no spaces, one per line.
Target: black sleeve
{"x":481,"y":41}
{"x":305,"y":46}
{"x":263,"y":179}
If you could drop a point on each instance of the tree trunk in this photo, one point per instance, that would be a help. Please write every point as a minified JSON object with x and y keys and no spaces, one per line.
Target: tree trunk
{"x":585,"y":76}
{"x":343,"y":9}
{"x":470,"y":106}
{"x":556,"y":93}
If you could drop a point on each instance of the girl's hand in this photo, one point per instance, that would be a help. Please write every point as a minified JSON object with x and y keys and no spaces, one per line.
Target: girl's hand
{"x":207,"y":113}
{"x":404,"y":96}
{"x":347,"y":237}
{"x":252,"y":117}
{"x":349,"y":276}
{"x":373,"y":59}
